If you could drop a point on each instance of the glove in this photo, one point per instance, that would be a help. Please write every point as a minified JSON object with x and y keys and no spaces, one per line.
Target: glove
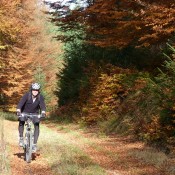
{"x":43,"y":115}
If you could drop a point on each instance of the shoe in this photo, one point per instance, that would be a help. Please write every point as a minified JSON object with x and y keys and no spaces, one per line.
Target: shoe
{"x":21,"y":142}
{"x":34,"y":148}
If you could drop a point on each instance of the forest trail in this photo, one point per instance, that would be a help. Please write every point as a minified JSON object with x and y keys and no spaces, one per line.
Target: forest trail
{"x":69,"y":150}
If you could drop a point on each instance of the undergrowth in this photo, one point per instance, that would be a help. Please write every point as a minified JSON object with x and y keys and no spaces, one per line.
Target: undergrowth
{"x":128,"y":102}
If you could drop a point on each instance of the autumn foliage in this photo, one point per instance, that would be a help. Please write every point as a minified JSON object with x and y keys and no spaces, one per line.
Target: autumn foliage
{"x":127,"y":101}
{"x":25,"y":45}
{"x":102,"y":83}
{"x":12,"y":33}
{"x":138,"y":23}
{"x":99,"y":79}
{"x":105,"y":94}
{"x":121,"y":23}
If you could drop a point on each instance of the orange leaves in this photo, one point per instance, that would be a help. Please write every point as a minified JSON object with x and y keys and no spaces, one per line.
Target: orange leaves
{"x":153,"y":130}
{"x":105,"y":95}
{"x":140,"y":83}
{"x":12,"y":67}
{"x":119,"y":24}
{"x":173,"y":109}
{"x":124,"y":23}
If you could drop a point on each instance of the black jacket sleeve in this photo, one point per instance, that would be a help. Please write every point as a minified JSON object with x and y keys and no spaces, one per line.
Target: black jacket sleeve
{"x":42,"y":103}
{"x":22,"y":101}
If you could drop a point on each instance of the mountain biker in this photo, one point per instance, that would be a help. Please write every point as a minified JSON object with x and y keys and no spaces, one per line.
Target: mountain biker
{"x":32,"y":102}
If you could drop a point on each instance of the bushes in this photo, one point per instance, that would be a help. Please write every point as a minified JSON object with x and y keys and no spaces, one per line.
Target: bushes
{"x":128,"y":102}
{"x":105,"y":93}
{"x":162,"y":92}
{"x":125,"y":101}
{"x":104,"y":84}
{"x":150,"y":105}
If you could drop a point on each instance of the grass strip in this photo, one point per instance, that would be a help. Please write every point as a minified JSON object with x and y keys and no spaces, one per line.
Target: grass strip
{"x":64,"y":157}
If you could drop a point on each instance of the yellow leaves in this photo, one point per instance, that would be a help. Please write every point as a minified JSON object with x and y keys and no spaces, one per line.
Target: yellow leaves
{"x":3,"y":47}
{"x":105,"y":96}
{"x":11,"y":25}
{"x":153,"y":130}
{"x":1,"y":64}
{"x":138,"y":27}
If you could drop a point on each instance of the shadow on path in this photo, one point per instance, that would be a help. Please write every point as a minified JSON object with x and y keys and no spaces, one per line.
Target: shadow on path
{"x":22,"y":155}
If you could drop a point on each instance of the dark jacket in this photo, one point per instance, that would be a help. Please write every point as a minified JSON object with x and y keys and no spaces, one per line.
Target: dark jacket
{"x":26,"y":104}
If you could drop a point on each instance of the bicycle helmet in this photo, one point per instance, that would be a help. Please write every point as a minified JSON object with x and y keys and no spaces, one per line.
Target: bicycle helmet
{"x":35,"y":86}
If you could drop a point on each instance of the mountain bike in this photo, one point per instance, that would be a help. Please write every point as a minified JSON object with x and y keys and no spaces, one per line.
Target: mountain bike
{"x":29,"y":135}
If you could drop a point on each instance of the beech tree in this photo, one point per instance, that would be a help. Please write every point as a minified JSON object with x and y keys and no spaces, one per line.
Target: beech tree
{"x":10,"y":44}
{"x":25,"y":43}
{"x":119,"y":23}
{"x":15,"y":74}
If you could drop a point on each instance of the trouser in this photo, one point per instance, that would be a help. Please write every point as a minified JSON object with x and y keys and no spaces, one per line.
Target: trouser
{"x":36,"y":130}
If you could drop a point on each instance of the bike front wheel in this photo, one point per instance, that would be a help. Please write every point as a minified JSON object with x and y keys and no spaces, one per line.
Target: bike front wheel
{"x":28,"y":147}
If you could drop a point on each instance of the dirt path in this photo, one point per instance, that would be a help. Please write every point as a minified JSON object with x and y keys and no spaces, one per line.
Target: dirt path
{"x":119,"y":155}
{"x":69,"y":150}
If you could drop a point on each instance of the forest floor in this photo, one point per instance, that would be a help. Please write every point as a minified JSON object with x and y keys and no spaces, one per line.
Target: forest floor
{"x":66,"y":149}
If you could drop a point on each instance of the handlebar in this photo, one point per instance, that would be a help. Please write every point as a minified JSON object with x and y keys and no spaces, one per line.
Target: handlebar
{"x":29,"y":115}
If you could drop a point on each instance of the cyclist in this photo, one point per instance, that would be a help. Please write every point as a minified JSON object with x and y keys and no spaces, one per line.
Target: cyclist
{"x":32,"y":102}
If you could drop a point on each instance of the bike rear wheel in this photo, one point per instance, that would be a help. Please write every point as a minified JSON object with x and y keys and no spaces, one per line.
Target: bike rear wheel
{"x":28,"y":147}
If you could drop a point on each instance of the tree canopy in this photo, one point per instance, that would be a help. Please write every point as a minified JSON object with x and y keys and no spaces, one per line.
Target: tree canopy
{"x":119,"y":23}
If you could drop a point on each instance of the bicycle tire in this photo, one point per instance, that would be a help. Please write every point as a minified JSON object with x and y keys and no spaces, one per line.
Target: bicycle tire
{"x":28,"y":147}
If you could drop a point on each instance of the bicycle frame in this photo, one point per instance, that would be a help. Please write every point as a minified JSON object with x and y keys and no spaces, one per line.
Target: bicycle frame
{"x":29,"y":134}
